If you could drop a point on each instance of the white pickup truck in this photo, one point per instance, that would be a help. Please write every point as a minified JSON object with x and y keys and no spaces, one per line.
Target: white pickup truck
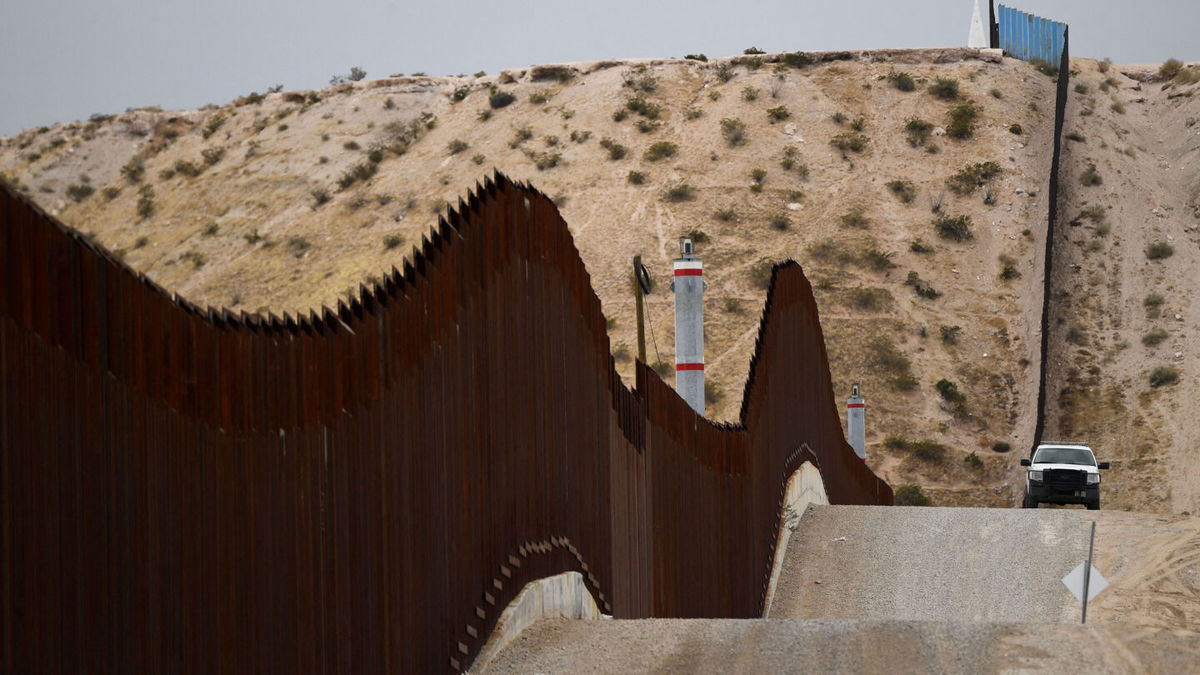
{"x":1062,"y":473}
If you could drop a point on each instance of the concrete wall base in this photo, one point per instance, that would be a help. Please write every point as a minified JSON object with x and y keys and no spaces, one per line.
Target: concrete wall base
{"x":804,"y":487}
{"x":560,"y":596}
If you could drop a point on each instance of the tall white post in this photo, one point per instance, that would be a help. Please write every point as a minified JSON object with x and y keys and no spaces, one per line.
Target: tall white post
{"x":688,"y":286}
{"x":856,"y":423}
{"x":978,"y":37}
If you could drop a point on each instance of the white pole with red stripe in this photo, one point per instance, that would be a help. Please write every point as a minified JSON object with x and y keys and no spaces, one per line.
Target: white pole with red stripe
{"x":856,"y":422}
{"x":688,"y":286}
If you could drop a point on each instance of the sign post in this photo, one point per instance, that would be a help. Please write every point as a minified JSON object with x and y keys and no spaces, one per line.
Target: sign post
{"x":1085,"y":582}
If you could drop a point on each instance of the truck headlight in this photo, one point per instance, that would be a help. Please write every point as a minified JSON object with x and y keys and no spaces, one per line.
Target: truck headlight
{"x":1035,"y":476}
{"x":1093,"y":479}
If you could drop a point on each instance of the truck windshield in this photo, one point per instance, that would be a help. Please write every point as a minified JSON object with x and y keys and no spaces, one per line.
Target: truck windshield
{"x":1065,"y":456}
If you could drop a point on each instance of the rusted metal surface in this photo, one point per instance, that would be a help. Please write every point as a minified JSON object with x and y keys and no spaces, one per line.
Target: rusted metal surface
{"x":363,"y":489}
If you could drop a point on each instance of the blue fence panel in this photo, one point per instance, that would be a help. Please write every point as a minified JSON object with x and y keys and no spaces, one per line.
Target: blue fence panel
{"x":1029,"y":37}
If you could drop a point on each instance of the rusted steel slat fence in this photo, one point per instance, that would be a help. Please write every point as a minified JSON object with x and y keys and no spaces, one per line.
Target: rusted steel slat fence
{"x":363,"y":489}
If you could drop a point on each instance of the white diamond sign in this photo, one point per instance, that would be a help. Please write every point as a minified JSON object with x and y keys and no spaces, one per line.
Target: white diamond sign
{"x":1074,"y":582}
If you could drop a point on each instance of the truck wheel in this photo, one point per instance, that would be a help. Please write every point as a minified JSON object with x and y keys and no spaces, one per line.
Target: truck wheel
{"x":1028,"y":503}
{"x":1094,"y":506}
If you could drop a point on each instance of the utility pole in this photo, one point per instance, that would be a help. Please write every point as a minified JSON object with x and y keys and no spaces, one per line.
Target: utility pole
{"x":641,"y":286}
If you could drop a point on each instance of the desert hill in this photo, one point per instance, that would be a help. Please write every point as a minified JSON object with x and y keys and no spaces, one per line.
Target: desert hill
{"x":1126,"y":307}
{"x":910,"y":184}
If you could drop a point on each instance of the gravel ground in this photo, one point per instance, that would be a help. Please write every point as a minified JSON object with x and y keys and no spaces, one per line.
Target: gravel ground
{"x":790,"y":645}
{"x":932,"y":564}
{"x":917,"y":590}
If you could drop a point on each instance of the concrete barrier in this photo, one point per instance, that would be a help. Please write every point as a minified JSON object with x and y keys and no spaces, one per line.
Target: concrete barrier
{"x":560,"y":596}
{"x":804,"y":487}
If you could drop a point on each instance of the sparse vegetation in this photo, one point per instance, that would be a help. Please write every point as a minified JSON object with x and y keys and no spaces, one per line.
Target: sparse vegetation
{"x":712,"y":392}
{"x":866,"y":298}
{"x":391,"y":241}
{"x":1075,"y":136}
{"x":780,"y":221}
{"x":1090,"y":176}
{"x":955,"y":228}
{"x":500,"y":99}
{"x":1153,"y":304}
{"x":885,"y":356}
{"x":750,"y":93}
{"x":1015,"y":129}
{"x":1169,"y":69}
{"x":641,"y":106}
{"x":320,"y":196}
{"x":902,"y":80}
{"x":145,"y":204}
{"x":456,"y":146}
{"x":212,"y":155}
{"x":724,"y":72}
{"x":921,"y":287}
{"x":615,"y":150}
{"x":734,"y":131}
{"x":636,"y":177}
{"x":838,"y":118}
{"x":880,"y":261}
{"x":917,"y":131}
{"x":903,"y":189}
{"x":855,"y":217}
{"x":78,"y":192}
{"x":211,"y":125}
{"x":1164,"y":375}
{"x":725,"y":215}
{"x":850,"y":141}
{"x":1155,"y":337}
{"x":679,"y":193}
{"x":545,"y":160}
{"x":1159,"y":250}
{"x":918,"y":245}
{"x":520,"y":135}
{"x":362,"y":171}
{"x":962,"y":120}
{"x":1008,"y":268}
{"x":134,"y":170}
{"x":944,"y":88}
{"x":950,"y":393}
{"x":778,"y":114}
{"x":972,"y":177}
{"x":760,"y":273}
{"x":660,"y":150}
{"x":298,"y":245}
{"x":910,"y":495}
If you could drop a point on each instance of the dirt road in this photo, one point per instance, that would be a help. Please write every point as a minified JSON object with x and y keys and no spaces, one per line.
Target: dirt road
{"x":910,"y":589}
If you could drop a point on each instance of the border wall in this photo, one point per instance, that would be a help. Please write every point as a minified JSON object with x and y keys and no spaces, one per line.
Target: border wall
{"x":364,"y":489}
{"x":1046,"y":43}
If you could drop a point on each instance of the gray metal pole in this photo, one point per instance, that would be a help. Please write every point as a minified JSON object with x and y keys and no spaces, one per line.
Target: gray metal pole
{"x":689,"y":326}
{"x":1087,"y":571}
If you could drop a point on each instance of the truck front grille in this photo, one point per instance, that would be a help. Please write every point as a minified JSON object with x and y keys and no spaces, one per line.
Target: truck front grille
{"x":1065,"y":479}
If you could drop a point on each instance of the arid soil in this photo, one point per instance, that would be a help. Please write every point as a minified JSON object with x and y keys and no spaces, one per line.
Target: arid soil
{"x":255,"y":205}
{"x":1120,"y":309}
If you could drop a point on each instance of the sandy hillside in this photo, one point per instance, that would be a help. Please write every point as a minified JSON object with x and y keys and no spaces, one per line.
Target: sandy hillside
{"x":294,"y":200}
{"x":1119,"y":313}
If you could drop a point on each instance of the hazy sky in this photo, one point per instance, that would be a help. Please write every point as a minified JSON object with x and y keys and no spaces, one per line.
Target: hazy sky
{"x":62,"y":60}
